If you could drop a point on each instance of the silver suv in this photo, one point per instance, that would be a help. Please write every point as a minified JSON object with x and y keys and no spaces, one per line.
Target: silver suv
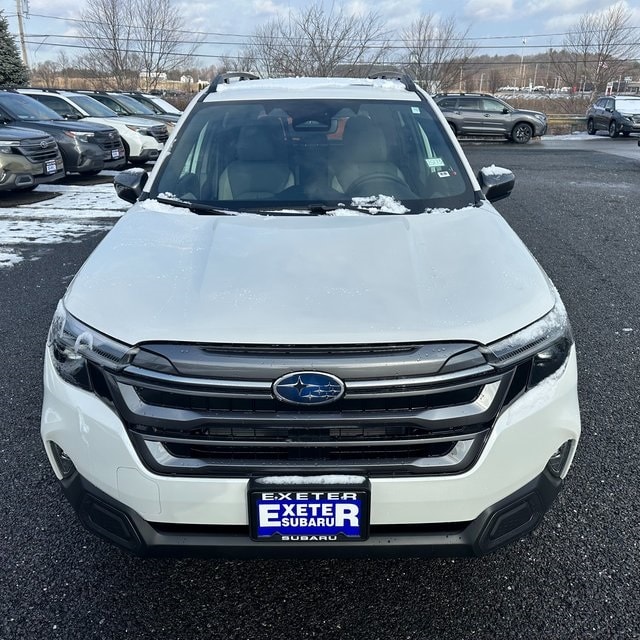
{"x":485,"y":115}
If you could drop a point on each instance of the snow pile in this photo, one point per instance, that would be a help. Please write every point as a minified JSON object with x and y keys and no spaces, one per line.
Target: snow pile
{"x":495,"y":171}
{"x":9,"y":258}
{"x":379,"y":204}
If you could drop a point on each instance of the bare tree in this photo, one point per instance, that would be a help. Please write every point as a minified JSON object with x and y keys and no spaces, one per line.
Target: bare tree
{"x":158,"y":34}
{"x":45,"y":74}
{"x":319,"y":41}
{"x":436,"y":52}
{"x":597,"y":50}
{"x":128,"y":41}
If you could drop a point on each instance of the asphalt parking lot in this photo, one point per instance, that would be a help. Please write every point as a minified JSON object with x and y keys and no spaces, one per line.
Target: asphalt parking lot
{"x":577,"y":207}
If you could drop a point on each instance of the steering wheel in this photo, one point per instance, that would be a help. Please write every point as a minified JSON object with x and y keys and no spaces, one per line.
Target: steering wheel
{"x":375,"y":183}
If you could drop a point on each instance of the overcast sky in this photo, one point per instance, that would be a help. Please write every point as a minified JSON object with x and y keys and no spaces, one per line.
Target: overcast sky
{"x":497,"y":26}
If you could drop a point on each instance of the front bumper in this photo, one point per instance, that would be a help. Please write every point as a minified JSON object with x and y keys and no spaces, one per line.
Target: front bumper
{"x":499,"y":524}
{"x":446,"y":514}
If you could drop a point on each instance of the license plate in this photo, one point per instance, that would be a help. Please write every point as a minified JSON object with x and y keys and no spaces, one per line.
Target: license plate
{"x":309,"y":512}
{"x":115,"y":153}
{"x":50,"y":166}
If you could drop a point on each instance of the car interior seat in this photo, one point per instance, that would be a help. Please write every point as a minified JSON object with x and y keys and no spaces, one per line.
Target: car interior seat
{"x":262,"y":168}
{"x":364,"y":152}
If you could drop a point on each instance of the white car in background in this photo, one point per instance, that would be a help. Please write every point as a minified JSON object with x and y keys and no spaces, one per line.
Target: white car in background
{"x":143,"y":139}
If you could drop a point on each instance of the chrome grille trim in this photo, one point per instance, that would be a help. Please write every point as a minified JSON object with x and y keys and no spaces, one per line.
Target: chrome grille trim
{"x":354,"y":386}
{"x":457,"y":457}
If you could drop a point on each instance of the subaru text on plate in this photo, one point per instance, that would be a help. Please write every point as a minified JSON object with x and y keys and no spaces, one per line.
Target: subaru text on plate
{"x":311,"y":335}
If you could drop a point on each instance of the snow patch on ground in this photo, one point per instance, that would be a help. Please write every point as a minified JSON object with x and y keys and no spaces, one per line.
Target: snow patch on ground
{"x":79,"y":210}
{"x":9,"y":258}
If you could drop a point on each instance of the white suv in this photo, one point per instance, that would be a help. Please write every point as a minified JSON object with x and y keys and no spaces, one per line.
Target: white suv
{"x":143,"y":139}
{"x":311,"y":335}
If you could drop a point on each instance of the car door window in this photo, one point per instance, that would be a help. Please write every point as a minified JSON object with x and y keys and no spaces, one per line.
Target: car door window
{"x":58,"y":105}
{"x":448,"y":103}
{"x":492,"y":105}
{"x":470,"y":104}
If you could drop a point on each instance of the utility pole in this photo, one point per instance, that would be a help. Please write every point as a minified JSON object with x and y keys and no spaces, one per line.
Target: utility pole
{"x":21,"y":30}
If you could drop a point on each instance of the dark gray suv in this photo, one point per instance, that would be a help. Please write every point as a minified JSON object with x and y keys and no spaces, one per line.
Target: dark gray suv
{"x":481,"y":114}
{"x":614,"y":114}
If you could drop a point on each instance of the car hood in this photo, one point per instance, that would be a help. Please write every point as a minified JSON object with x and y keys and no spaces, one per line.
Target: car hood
{"x":169,"y":274}
{"x":529,"y":112}
{"x":60,"y":126}
{"x":18,"y":133}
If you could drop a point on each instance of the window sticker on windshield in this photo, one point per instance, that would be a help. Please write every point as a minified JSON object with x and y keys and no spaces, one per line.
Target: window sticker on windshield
{"x":435,"y":162}
{"x":415,"y":109}
{"x":443,"y":174}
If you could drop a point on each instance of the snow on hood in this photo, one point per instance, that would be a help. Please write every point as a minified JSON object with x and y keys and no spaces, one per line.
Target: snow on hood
{"x":310,"y":279}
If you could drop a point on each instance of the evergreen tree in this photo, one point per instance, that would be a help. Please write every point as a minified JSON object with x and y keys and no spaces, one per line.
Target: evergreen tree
{"x":12,"y":71}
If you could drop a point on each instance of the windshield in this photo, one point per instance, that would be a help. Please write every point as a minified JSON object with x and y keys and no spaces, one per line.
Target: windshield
{"x":25,"y":108}
{"x":134,"y":106}
{"x":93,"y":107}
{"x":628,"y":105}
{"x":314,"y":156}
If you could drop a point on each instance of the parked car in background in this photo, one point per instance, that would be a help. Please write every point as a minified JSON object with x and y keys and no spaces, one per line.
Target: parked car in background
{"x":125,"y":105}
{"x":28,"y":158}
{"x":614,"y":114}
{"x":86,"y":147}
{"x":157,"y":104}
{"x":481,"y":114}
{"x":326,"y":341}
{"x":142,"y":138}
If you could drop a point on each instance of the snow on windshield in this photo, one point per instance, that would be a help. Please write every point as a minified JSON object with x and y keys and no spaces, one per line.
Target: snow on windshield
{"x":379,"y":204}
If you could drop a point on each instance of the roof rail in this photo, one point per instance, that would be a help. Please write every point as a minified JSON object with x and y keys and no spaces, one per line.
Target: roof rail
{"x":395,"y":74}
{"x":223,"y":78}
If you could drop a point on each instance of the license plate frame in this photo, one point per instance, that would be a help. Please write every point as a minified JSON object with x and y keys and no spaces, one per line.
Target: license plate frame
{"x":308,"y":511}
{"x":115,"y":154}
{"x":50,"y":166}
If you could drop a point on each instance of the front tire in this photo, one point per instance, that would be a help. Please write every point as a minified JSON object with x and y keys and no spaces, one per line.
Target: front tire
{"x":591,"y":127}
{"x":613,"y":129}
{"x":522,"y":133}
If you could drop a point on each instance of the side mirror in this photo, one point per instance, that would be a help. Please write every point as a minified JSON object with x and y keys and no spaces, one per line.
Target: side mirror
{"x":505,"y":110}
{"x":72,"y":116}
{"x":130,"y":183}
{"x":496,"y":183}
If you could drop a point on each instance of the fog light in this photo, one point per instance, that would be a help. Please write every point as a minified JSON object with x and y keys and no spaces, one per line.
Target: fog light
{"x":64,"y":462}
{"x":557,"y":462}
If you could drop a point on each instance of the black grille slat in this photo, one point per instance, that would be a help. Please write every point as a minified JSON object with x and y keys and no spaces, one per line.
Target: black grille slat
{"x":348,"y":404}
{"x":36,"y":152}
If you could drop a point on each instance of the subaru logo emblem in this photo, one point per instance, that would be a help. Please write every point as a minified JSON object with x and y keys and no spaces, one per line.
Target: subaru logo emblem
{"x":43,"y":143}
{"x":308,"y":387}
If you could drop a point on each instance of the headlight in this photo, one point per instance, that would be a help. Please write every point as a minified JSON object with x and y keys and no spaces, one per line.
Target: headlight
{"x":73,"y":345}
{"x":143,"y":131}
{"x":541,"y":116}
{"x":547,"y":342}
{"x":7,"y":146}
{"x":81,"y":136}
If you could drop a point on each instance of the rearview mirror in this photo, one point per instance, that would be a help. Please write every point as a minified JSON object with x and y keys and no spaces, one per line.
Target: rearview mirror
{"x":496,"y":183}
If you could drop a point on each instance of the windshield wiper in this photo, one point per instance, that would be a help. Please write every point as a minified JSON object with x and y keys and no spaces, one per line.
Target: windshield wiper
{"x":196,"y":207}
{"x":326,"y":209}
